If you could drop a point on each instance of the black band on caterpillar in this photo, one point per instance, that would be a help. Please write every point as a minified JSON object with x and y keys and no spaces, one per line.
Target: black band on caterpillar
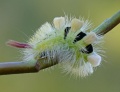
{"x":79,"y":36}
{"x":88,"y":49}
{"x":66,"y":31}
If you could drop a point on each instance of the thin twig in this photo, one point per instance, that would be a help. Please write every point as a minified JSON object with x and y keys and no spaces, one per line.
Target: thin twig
{"x":108,"y":24}
{"x":17,"y":67}
{"x":29,"y":67}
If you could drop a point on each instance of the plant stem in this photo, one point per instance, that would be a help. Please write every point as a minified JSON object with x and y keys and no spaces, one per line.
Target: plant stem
{"x":29,"y":67}
{"x":108,"y":24}
{"x":17,"y":67}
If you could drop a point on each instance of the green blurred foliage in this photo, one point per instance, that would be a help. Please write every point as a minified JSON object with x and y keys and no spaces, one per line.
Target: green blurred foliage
{"x":20,"y":18}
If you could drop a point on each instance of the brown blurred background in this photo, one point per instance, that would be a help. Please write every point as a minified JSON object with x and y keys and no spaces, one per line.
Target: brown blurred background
{"x":20,"y":18}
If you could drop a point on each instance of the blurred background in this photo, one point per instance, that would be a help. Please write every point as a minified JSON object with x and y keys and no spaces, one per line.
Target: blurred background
{"x":19,"y":19}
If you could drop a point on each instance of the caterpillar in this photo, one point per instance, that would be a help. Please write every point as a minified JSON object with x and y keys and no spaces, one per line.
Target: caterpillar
{"x":67,"y":40}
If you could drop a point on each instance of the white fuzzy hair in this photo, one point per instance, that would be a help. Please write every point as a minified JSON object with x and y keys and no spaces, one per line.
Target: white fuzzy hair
{"x":49,"y":42}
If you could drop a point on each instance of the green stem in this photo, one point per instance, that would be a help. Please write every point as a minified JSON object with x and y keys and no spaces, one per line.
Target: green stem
{"x":29,"y":67}
{"x":108,"y":24}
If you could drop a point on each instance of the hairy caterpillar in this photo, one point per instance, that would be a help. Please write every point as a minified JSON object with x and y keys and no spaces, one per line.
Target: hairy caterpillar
{"x":68,"y":41}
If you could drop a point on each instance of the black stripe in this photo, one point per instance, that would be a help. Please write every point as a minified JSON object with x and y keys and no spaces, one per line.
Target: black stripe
{"x":79,"y":36}
{"x":88,"y":49}
{"x":66,"y":31}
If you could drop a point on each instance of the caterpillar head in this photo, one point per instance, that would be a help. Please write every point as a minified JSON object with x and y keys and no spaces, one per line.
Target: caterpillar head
{"x":67,"y":41}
